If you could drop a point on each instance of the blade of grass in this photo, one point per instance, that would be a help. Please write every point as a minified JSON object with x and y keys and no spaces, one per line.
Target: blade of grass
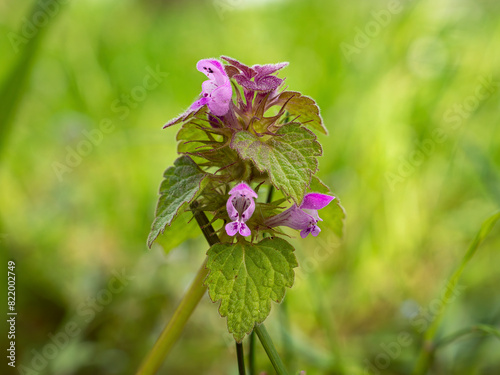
{"x":428,"y":347}
{"x":13,"y":87}
{"x":480,"y":328}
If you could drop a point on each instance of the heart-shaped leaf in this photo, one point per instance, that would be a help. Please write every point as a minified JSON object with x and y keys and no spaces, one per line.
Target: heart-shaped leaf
{"x":246,"y":277}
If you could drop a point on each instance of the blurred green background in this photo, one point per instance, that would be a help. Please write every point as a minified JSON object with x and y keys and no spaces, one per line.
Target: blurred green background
{"x":409,"y":92}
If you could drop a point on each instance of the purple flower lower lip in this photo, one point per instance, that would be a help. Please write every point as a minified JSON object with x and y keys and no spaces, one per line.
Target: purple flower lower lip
{"x":240,"y":207}
{"x":303,"y":218}
{"x":217,"y":91}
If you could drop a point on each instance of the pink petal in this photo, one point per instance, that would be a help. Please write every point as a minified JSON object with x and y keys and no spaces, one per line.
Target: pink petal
{"x":231,"y":210}
{"x":214,"y":70}
{"x":198,"y":104}
{"x":316,"y":201}
{"x":305,"y":232}
{"x":207,"y":87}
{"x":232,"y":228}
{"x":244,"y":230}
{"x":315,"y":230}
{"x":219,"y":100}
{"x":244,"y":189}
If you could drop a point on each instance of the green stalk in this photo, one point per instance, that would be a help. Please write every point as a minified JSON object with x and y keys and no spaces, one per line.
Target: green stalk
{"x":174,"y":328}
{"x":251,"y":354}
{"x":428,"y":346}
{"x":241,"y":358}
{"x":285,"y":328}
{"x":268,"y":345}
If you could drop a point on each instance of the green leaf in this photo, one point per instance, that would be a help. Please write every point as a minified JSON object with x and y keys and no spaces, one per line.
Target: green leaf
{"x":289,"y":157}
{"x":334,"y":215}
{"x":181,"y":185}
{"x":246,"y":277}
{"x":182,"y":229}
{"x":318,"y":186}
{"x":304,"y":107}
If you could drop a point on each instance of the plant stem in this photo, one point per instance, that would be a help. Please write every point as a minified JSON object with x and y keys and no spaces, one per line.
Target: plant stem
{"x":285,"y":329}
{"x":270,"y":194}
{"x":251,"y":353}
{"x":264,"y":337}
{"x":174,"y":327}
{"x":241,"y":358}
{"x":206,"y":228}
{"x":173,"y":330}
{"x":268,"y":345}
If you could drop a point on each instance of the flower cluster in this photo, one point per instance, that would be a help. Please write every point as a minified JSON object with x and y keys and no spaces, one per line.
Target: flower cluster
{"x":244,"y":129}
{"x":245,"y":134}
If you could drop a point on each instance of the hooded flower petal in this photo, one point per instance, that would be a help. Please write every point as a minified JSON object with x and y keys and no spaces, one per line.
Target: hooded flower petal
{"x":240,"y":207}
{"x":316,"y":201}
{"x":217,"y":91}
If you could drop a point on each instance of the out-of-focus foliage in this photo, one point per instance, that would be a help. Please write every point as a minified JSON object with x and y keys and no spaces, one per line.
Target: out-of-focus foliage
{"x":410,"y":95}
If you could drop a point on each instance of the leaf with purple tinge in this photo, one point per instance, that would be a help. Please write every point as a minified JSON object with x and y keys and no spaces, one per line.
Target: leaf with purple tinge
{"x":304,"y":107}
{"x":258,"y":77}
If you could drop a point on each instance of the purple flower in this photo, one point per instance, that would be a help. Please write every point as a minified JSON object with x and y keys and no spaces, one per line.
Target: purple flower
{"x":240,"y":207}
{"x":217,"y":91}
{"x":303,"y":218}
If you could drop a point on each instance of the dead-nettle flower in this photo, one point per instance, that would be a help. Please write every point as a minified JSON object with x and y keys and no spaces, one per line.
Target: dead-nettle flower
{"x":261,"y":91}
{"x":240,"y":207}
{"x":305,"y":217}
{"x":217,"y":91}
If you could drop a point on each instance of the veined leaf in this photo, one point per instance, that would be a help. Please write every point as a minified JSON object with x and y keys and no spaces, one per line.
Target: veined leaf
{"x":304,"y":107}
{"x":335,"y":216}
{"x":289,"y":157}
{"x":181,"y":185}
{"x":246,"y":277}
